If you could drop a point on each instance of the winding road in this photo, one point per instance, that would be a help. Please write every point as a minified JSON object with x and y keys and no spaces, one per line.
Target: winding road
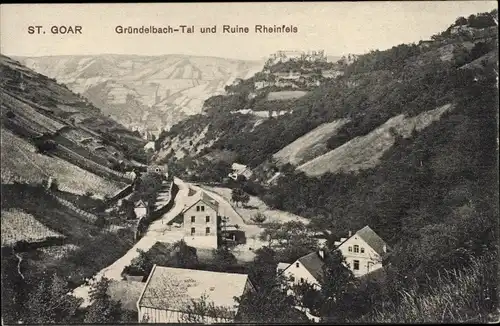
{"x":156,"y":232}
{"x":159,"y":231}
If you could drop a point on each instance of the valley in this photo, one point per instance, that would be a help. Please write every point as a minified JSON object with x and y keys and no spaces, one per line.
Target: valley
{"x":360,"y":189}
{"x":148,"y":94}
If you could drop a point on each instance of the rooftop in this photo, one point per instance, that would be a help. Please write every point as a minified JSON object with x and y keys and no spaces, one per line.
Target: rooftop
{"x":203,"y":196}
{"x":238,"y":167}
{"x":314,"y":264}
{"x":372,"y":239}
{"x":174,"y":288}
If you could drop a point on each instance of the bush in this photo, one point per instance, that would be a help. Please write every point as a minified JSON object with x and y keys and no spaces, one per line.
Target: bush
{"x":259,"y":218}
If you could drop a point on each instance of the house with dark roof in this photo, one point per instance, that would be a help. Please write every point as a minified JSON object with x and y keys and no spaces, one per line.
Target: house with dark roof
{"x":363,"y":251}
{"x":306,"y":269}
{"x":201,"y":223}
{"x":169,"y":293}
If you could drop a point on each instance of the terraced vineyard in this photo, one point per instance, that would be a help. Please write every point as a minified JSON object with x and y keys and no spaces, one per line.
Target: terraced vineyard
{"x":19,"y":157}
{"x":20,"y":226}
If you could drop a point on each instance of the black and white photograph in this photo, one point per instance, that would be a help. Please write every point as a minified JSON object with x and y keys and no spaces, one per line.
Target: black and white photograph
{"x":250,"y":163}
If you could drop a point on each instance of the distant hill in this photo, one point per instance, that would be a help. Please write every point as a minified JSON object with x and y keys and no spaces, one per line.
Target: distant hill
{"x":342,"y":124}
{"x":144,"y":92}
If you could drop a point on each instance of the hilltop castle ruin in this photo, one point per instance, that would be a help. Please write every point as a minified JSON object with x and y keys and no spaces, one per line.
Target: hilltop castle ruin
{"x":283,"y":56}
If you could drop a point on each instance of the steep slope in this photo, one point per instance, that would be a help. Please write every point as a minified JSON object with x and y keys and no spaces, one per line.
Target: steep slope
{"x":353,"y":112}
{"x":145,"y":92}
{"x":21,"y":162}
{"x":49,"y":131}
{"x":310,"y":145}
{"x":364,"y":152}
{"x":49,"y":135}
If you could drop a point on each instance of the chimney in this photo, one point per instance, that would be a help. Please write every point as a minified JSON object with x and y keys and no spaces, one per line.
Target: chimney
{"x":321,"y":253}
{"x":350,"y":233}
{"x":384,"y":248}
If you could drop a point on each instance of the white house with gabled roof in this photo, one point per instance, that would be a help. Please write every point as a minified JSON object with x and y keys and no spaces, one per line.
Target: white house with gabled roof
{"x":201,"y":223}
{"x":363,"y":251}
{"x":306,"y":269}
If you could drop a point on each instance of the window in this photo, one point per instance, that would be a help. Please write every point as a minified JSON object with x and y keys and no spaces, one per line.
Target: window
{"x":297,"y":264}
{"x":350,"y":249}
{"x":193,"y":219}
{"x":207,"y":218}
{"x":356,"y":265}
{"x":301,"y":280}
{"x":193,"y":230}
{"x":202,"y":208}
{"x":207,"y":230}
{"x":292,"y":278}
{"x":356,"y":248}
{"x":197,"y":208}
{"x":362,"y":250}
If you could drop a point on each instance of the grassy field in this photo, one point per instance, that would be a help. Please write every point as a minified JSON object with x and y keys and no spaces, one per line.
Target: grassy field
{"x":20,"y":226}
{"x":285,"y":95}
{"x":256,"y":205}
{"x":310,"y":145}
{"x":365,"y":152}
{"x":19,"y":158}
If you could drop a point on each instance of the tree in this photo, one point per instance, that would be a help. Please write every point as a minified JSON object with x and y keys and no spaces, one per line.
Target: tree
{"x":245,"y":198}
{"x":238,"y":195}
{"x":337,"y":283}
{"x":269,"y":304}
{"x":259,"y":218}
{"x":263,"y":268}
{"x":49,"y":302}
{"x":292,"y":238}
{"x":184,"y":255}
{"x":221,"y":169}
{"x":461,"y":21}
{"x":308,"y":296}
{"x":129,"y":209}
{"x":102,"y":308}
{"x":223,"y":258}
{"x":142,"y":264}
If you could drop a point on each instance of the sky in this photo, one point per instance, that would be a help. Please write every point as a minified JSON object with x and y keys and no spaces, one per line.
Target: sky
{"x":337,"y":27}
